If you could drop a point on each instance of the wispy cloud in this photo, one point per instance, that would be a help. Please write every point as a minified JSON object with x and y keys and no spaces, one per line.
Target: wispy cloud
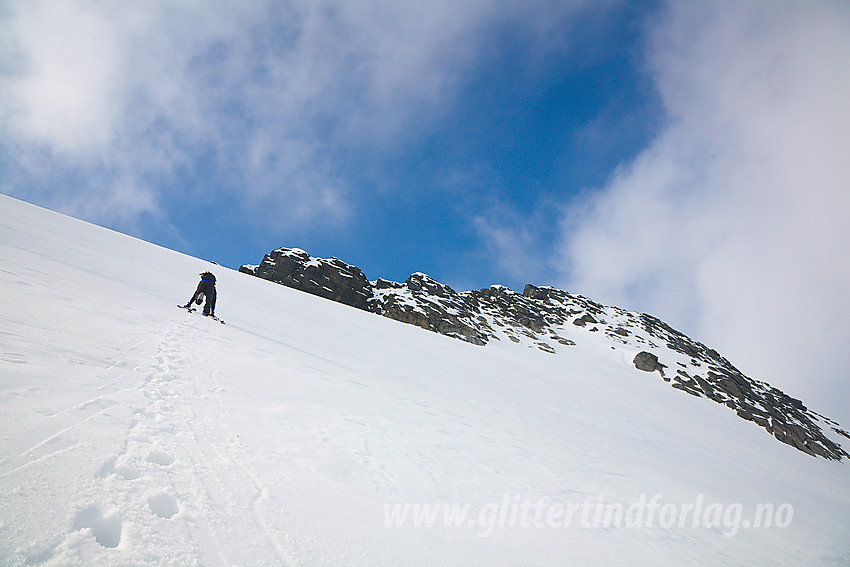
{"x":263,"y":97}
{"x":732,"y":223}
{"x":513,"y":241}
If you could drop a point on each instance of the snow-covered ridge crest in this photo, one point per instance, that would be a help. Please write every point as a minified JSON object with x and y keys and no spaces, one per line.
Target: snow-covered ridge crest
{"x":553,"y":321}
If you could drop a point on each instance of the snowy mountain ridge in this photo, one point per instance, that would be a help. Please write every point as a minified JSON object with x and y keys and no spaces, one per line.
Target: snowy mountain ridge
{"x":553,"y":320}
{"x":305,"y":432}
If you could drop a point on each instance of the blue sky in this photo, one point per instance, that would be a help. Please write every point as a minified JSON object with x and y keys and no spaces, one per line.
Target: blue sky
{"x":502,"y":112}
{"x":686,"y":159}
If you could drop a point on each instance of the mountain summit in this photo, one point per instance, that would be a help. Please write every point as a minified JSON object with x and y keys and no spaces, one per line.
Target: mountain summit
{"x":552,"y":320}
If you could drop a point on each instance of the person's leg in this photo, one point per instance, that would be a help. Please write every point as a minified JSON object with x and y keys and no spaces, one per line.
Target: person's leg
{"x":209,"y":306}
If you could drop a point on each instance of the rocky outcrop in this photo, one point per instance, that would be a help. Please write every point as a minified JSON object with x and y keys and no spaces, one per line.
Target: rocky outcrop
{"x":648,"y":362}
{"x":332,"y":278}
{"x":551,"y":320}
{"x":426,"y":303}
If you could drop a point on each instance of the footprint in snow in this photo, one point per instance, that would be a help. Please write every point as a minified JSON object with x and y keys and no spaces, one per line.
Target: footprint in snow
{"x":105,"y":529}
{"x":163,"y":505}
{"x":170,"y":429}
{"x":160,"y":458}
{"x":110,"y":467}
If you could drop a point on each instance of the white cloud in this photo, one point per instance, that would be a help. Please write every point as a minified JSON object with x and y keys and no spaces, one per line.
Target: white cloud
{"x":511,"y":240}
{"x":100,"y":105}
{"x":69,"y":95}
{"x":732,"y":224}
{"x":267,"y":92}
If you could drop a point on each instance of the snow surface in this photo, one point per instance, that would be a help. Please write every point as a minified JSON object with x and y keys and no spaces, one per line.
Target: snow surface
{"x":134,"y":433}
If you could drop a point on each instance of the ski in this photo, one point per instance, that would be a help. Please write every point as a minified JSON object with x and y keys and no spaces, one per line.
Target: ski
{"x":193,"y":309}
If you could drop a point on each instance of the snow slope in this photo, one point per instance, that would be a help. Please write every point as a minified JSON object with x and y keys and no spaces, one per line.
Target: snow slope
{"x":299,"y":433}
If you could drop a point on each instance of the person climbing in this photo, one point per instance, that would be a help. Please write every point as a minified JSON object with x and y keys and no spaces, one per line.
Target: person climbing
{"x":206,"y":287}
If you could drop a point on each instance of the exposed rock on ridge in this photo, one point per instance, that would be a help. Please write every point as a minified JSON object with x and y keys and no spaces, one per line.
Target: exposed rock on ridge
{"x":551,"y":320}
{"x":332,"y":279}
{"x":648,"y":362}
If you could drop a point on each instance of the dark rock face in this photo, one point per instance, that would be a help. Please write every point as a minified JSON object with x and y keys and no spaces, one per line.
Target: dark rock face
{"x":550,"y":320}
{"x":648,"y":362}
{"x":332,"y":279}
{"x":426,"y":303}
